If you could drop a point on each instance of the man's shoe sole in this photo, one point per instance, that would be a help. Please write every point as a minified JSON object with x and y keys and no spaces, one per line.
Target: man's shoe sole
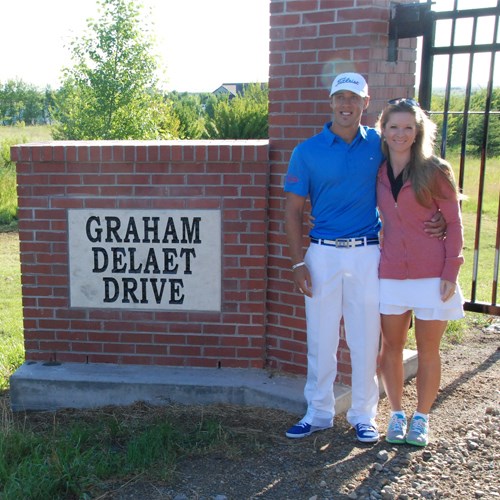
{"x":298,"y":436}
{"x":367,"y":440}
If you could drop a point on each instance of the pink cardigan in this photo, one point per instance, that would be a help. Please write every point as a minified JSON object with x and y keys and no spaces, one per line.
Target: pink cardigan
{"x":407,"y":251}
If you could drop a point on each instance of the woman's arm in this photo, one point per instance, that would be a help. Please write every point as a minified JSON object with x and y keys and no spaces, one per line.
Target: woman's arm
{"x":453,"y":244}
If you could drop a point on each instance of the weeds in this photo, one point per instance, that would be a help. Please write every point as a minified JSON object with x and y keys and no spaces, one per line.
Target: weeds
{"x":66,"y":457}
{"x":456,"y":330}
{"x":8,"y":196}
{"x":11,"y":321}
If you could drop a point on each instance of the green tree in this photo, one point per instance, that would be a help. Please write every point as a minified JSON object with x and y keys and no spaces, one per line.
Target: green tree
{"x":33,"y":105}
{"x":210,"y":103}
{"x":454,"y":124}
{"x":48,"y":104}
{"x":11,"y":102}
{"x":189,"y":110}
{"x":21,"y":102}
{"x":475,"y":134}
{"x":243,"y":117}
{"x":111,"y":90}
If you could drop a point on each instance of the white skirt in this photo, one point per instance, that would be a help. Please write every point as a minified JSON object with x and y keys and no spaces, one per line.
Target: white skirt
{"x":422,"y":296}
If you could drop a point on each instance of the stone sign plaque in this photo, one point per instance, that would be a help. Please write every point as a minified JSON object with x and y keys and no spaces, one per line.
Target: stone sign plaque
{"x":145,"y":259}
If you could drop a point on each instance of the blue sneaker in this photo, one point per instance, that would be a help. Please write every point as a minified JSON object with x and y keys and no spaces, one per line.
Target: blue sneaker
{"x":418,"y":435}
{"x":396,"y":429}
{"x":303,"y":429}
{"x":366,"y":433}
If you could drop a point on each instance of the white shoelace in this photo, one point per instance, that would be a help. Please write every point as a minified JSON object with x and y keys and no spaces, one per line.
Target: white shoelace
{"x":366,"y":427}
{"x":397,"y":423}
{"x":419,"y":425}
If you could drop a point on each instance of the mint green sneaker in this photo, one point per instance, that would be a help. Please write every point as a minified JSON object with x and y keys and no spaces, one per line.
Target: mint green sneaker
{"x":418,"y":435}
{"x":396,"y":430}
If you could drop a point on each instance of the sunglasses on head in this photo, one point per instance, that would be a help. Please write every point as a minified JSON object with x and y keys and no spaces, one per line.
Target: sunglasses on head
{"x":404,"y":100}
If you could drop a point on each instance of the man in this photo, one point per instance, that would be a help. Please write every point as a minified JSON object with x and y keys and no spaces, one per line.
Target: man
{"x":338,"y":276}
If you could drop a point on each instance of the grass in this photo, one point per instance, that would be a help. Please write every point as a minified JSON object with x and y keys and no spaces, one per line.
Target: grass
{"x":8,"y":197}
{"x":10,"y":136}
{"x":11,"y":327}
{"x":22,"y":133}
{"x":487,"y":234}
{"x":78,"y":454}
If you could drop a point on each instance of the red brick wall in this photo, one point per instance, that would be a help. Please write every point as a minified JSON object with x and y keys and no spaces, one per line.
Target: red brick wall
{"x":311,"y":42}
{"x":227,"y":175}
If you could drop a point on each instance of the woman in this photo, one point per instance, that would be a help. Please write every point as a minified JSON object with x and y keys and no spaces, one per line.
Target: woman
{"x":417,"y":273}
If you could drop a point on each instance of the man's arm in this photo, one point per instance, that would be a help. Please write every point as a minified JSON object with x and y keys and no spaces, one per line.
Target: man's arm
{"x":294,"y":209}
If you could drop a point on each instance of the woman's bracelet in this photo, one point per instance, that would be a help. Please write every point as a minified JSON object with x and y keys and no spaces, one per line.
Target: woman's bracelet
{"x":299,"y":264}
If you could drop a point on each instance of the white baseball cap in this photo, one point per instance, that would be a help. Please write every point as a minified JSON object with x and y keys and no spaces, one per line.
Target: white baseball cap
{"x":353,"y":82}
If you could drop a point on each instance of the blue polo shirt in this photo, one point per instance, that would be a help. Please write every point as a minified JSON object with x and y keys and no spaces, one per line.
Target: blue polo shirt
{"x":340,"y":180}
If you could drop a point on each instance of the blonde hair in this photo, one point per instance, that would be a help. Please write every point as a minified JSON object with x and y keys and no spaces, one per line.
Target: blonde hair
{"x":424,"y":168}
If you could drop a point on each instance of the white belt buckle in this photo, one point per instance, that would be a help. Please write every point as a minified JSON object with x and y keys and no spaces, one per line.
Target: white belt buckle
{"x":343,"y":243}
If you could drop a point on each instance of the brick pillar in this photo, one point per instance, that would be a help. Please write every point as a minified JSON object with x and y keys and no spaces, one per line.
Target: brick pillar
{"x":311,"y":42}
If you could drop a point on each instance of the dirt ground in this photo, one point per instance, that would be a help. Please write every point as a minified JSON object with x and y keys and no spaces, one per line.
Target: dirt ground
{"x":460,"y":462}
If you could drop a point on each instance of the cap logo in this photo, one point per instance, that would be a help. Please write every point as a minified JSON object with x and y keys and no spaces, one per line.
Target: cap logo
{"x":346,"y":79}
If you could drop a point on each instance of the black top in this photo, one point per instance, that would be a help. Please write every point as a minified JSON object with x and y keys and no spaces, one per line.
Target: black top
{"x":396,"y":182}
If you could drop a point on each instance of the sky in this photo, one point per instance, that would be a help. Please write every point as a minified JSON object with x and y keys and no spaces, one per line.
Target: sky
{"x":485,"y":34}
{"x":202,"y":43}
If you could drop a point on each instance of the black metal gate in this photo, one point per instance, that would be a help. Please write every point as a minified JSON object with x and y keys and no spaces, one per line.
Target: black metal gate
{"x":460,"y":87}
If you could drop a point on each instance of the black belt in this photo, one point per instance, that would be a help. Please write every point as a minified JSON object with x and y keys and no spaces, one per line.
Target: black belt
{"x":346,"y":242}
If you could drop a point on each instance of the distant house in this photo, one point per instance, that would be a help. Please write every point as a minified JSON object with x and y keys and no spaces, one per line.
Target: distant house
{"x":232,"y":89}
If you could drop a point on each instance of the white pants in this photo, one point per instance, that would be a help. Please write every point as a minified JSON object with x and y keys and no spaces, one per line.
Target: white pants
{"x":344,"y":283}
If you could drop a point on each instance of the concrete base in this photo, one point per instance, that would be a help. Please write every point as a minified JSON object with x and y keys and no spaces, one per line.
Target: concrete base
{"x":48,"y":387}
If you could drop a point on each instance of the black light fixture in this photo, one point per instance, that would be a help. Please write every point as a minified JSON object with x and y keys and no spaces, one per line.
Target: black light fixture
{"x":407,"y":20}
